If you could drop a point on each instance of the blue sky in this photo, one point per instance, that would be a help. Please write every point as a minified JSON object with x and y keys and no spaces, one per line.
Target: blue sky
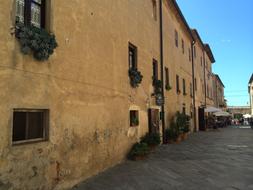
{"x":227,"y":25}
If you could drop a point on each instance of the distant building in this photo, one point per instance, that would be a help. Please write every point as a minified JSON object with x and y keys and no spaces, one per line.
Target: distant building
{"x":238,"y":110}
{"x":251,"y":93}
{"x":218,"y":92}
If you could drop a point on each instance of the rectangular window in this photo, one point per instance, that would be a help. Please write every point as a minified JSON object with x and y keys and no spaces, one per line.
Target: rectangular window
{"x":134,"y":118}
{"x":154,"y":4}
{"x":190,"y":54}
{"x":184,"y":111}
{"x":132,"y":59}
{"x":182,"y":46}
{"x":155,"y":70}
{"x":30,"y":125}
{"x":184,"y":88}
{"x":177,"y":84}
{"x":201,"y":60}
{"x":31,"y":12}
{"x":195,"y":81}
{"x":176,"y":38}
{"x":167,"y":78}
{"x":191,"y":89}
{"x":194,"y":51}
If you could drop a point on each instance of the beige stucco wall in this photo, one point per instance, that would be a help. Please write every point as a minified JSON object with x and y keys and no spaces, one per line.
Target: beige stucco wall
{"x":85,"y":85}
{"x":199,"y":75}
{"x":177,"y":62}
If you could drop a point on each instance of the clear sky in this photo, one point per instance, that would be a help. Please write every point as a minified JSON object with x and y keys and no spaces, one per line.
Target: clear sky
{"x":227,"y":25}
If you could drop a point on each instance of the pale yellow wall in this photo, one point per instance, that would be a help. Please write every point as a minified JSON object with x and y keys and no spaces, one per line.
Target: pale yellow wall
{"x":199,"y":75}
{"x":85,"y":85}
{"x":177,"y":62}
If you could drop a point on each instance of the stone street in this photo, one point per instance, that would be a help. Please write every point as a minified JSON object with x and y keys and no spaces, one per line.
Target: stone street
{"x":214,"y":160}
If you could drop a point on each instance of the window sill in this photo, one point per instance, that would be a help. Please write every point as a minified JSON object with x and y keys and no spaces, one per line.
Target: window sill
{"x":31,"y":141}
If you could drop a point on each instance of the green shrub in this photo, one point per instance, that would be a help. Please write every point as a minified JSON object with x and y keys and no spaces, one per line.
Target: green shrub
{"x":182,"y":122}
{"x":172,"y":132}
{"x":138,"y":149}
{"x":35,"y":40}
{"x":151,"y":139}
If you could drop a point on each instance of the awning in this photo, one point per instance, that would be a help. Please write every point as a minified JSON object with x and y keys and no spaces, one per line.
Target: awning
{"x":212,"y":109}
{"x":247,"y":116}
{"x":222,"y":113}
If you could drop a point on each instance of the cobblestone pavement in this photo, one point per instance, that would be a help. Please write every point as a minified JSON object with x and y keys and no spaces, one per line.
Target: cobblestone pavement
{"x":214,"y":160}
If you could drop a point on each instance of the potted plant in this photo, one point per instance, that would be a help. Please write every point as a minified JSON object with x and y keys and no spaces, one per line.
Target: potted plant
{"x":157,"y":86}
{"x":151,"y":139}
{"x":138,"y":151}
{"x":167,"y":87}
{"x":35,"y":40}
{"x":135,"y":77}
{"x":182,"y":122}
{"x":134,"y":121}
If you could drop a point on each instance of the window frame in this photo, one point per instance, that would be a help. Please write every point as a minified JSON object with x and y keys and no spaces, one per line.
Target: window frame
{"x":176,"y":38}
{"x":182,"y":41}
{"x":184,"y":87}
{"x":167,"y":77}
{"x":134,"y":113}
{"x":45,"y":126}
{"x":177,"y":84}
{"x":155,"y":70}
{"x":28,"y":12}
{"x":134,"y":49}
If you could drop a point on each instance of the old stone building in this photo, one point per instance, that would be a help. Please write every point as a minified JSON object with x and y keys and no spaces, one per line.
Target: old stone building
{"x":177,"y":62}
{"x":250,"y":88}
{"x":218,"y":92}
{"x":71,"y":112}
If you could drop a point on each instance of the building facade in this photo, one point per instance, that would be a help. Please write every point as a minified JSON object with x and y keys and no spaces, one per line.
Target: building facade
{"x":218,"y":92}
{"x":78,"y":112}
{"x":250,"y":88}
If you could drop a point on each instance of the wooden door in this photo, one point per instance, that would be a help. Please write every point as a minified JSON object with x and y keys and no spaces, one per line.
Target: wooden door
{"x":153,"y":118}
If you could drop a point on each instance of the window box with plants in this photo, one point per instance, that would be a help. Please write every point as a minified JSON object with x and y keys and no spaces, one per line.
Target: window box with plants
{"x":36,"y":41}
{"x":135,"y":77}
{"x":157,"y":86}
{"x":168,"y":87}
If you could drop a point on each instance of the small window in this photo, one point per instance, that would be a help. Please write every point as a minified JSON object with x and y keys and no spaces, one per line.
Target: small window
{"x":134,"y":118}
{"x":154,"y":4}
{"x":177,"y":84}
{"x":30,"y":125}
{"x":132,"y":50}
{"x":195,"y":81}
{"x":31,"y":12}
{"x":155,"y":70}
{"x":184,"y":88}
{"x":176,"y":38}
{"x":184,"y":110}
{"x":194,"y":51}
{"x":182,"y":46}
{"x":201,"y":61}
{"x":190,"y":54}
{"x":191,"y":89}
{"x":167,"y":78}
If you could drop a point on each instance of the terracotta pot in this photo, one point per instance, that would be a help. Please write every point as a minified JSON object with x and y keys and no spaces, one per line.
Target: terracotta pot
{"x":184,"y":136}
{"x":152,"y":147}
{"x":139,"y":157}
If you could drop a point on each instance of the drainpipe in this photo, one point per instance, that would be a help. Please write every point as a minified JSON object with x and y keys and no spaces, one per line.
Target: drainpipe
{"x":161,"y":62}
{"x":204,"y":74}
{"x":193,"y":89}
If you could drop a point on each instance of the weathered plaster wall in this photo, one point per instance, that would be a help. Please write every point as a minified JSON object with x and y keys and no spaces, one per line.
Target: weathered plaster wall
{"x":177,"y":62}
{"x":85,"y":86}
